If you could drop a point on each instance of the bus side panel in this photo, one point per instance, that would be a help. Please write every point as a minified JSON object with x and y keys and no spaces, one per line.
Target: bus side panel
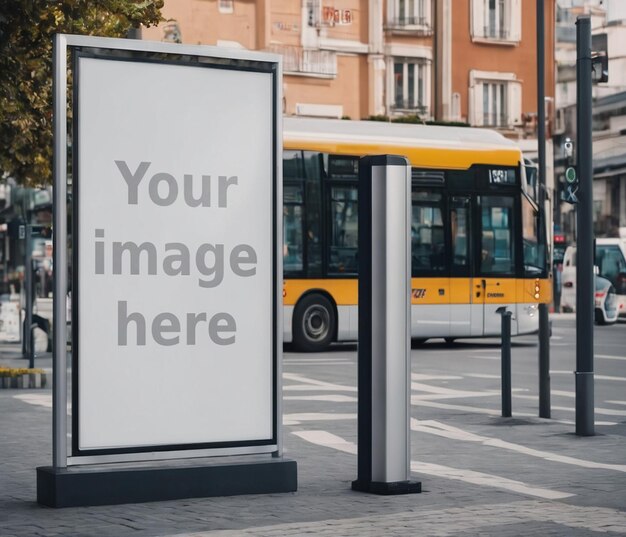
{"x":430,"y":321}
{"x":499,"y":292}
{"x":527,"y":318}
{"x":344,"y":292}
{"x":430,"y":307}
{"x":287,"y":324}
{"x":462,"y":312}
{"x":347,"y":323}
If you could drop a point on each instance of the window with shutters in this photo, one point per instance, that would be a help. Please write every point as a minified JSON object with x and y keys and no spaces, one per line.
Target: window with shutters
{"x":495,"y":100}
{"x":497,"y":21}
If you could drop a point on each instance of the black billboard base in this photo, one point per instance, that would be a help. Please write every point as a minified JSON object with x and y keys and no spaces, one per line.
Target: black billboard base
{"x":387,"y":489}
{"x":82,"y":486}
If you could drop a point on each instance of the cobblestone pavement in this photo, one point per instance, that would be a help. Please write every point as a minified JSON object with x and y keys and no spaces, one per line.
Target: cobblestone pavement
{"x":481,"y":474}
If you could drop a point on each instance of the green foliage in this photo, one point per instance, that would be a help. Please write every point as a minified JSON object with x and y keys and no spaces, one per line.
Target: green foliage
{"x":26,"y":31}
{"x":13,"y":372}
{"x":417,"y":120}
{"x":448,"y":123}
{"x":378,"y":118}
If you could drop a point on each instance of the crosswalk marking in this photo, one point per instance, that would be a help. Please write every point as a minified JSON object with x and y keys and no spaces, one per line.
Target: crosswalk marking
{"x":329,"y":440}
{"x":454,"y":433}
{"x":597,"y":377}
{"x":297,"y":419}
{"x":336,"y":398}
{"x":610,"y":357}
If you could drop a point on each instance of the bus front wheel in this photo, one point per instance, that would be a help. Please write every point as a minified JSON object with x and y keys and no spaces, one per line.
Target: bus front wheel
{"x":313,"y":323}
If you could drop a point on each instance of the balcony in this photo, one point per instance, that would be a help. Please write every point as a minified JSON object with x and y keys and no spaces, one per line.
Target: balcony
{"x":496,"y":33}
{"x":404,"y":108}
{"x":419,"y":26}
{"x":302,"y":62}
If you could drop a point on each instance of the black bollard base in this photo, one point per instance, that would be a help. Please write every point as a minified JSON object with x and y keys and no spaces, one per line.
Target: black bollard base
{"x":387,"y":489}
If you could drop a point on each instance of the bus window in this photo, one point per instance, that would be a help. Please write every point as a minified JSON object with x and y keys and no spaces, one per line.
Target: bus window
{"x":292,"y":165}
{"x":292,"y":229}
{"x":313,"y":167}
{"x":343,"y":230}
{"x":459,"y":227}
{"x":610,"y":261}
{"x":427,"y":234}
{"x":496,"y":239}
{"x":533,"y":243}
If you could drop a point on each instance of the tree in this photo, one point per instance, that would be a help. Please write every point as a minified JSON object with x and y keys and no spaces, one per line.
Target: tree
{"x":26,"y":31}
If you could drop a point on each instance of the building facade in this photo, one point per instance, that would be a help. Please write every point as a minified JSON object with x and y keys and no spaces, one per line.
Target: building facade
{"x":608,"y":23}
{"x":471,"y":61}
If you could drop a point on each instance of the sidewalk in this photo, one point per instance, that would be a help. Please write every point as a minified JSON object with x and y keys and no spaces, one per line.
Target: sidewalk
{"x":482,"y":475}
{"x":11,"y":356}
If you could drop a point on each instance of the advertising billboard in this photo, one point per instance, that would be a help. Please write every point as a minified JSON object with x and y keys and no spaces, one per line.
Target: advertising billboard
{"x":175,"y":263}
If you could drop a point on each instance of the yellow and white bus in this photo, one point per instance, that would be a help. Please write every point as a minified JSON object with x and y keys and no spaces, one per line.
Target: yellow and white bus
{"x":478,"y":241}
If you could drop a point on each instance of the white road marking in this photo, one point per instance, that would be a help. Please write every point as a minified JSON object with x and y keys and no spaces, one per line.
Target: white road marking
{"x":296,"y":419}
{"x":318,"y":362}
{"x":326,"y":439}
{"x":608,"y":377}
{"x":315,"y":360}
{"x":464,"y":395}
{"x":451,"y":392}
{"x":312,"y":384}
{"x":482,"y":376}
{"x":494,"y":358}
{"x":491,"y":412}
{"x":337,"y":398}
{"x":314,"y":387}
{"x":597,"y":410}
{"x":40,"y":399}
{"x":454,"y":433}
{"x":598,"y":377}
{"x":487,"y":480}
{"x":420,"y":376}
{"x":610,"y":357}
{"x":616,"y":402}
{"x":37,"y":399}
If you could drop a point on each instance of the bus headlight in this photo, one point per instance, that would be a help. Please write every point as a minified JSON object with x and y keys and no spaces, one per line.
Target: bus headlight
{"x":531,"y":309}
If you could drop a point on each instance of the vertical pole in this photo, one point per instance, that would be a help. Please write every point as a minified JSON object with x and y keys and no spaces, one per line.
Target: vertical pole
{"x":28,"y":293}
{"x":544,"y":322}
{"x":506,"y":363}
{"x":584,"y":225}
{"x":59,"y":371}
{"x":384,"y":326}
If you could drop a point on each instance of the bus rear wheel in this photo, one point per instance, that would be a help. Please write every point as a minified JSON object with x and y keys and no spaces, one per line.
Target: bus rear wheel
{"x":313,"y":323}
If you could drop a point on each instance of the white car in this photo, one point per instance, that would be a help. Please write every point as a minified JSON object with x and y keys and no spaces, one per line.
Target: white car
{"x":605,"y":301}
{"x":611,"y":265}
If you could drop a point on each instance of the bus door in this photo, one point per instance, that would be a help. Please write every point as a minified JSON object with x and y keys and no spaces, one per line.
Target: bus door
{"x":430,"y":296}
{"x":495,"y":284}
{"x":461,"y":296}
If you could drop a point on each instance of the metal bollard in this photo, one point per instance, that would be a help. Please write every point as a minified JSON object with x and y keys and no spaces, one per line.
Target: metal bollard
{"x":506,"y":361}
{"x":384,"y":374}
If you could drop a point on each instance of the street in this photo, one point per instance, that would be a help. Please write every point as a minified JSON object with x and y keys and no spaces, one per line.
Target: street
{"x":481,"y":473}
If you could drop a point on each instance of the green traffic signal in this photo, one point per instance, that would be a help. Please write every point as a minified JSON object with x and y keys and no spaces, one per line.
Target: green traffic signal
{"x":570,"y":175}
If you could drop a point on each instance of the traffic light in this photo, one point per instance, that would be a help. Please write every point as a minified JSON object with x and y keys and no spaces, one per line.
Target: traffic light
{"x":571,"y":186}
